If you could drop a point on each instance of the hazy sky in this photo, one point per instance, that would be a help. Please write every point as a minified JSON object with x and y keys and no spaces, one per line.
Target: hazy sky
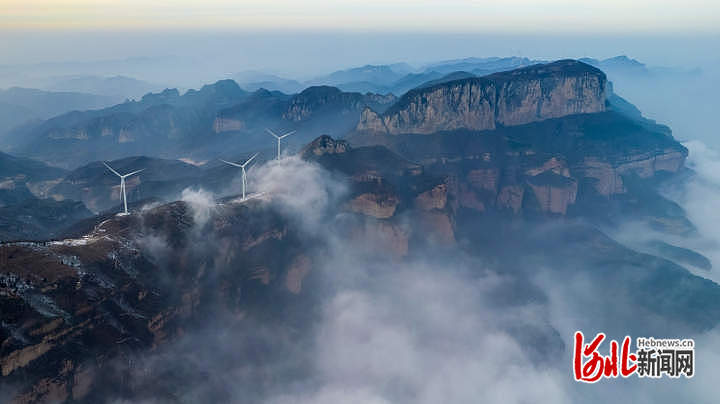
{"x":443,"y":15}
{"x":299,"y":38}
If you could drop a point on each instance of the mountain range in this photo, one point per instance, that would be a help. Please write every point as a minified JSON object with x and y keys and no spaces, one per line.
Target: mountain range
{"x":121,"y":87}
{"x":516,"y":173}
{"x":396,"y":78}
{"x":23,"y":105}
{"x":218,"y":118}
{"x":222,"y":117}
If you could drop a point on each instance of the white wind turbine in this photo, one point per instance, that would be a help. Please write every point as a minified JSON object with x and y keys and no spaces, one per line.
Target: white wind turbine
{"x":279,"y":138}
{"x":242,"y":166}
{"x":122,"y":184}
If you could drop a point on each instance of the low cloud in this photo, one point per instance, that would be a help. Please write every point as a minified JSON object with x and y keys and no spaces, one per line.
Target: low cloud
{"x":700,"y":199}
{"x":424,"y":334}
{"x":304,"y":190}
{"x":202,"y":204}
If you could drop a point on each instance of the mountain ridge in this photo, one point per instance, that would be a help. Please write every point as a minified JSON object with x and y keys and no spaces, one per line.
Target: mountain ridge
{"x":509,"y":98}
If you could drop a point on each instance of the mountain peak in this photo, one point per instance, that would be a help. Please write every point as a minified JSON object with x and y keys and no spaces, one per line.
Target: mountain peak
{"x":564,"y":67}
{"x":514,"y":97}
{"x":226,"y":88}
{"x":324,"y":145}
{"x":617,"y":63}
{"x":320,"y":91}
{"x":624,"y":59}
{"x":167,"y":95}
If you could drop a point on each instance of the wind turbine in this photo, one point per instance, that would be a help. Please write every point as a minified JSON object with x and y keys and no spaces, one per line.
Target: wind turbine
{"x":122,"y":183}
{"x":279,"y":138}
{"x":242,"y":166}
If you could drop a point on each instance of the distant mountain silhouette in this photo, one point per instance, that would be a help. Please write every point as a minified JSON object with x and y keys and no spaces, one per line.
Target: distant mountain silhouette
{"x":122,"y":87}
{"x":22,"y":105}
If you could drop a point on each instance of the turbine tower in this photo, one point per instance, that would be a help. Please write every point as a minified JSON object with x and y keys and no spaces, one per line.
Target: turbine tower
{"x":122,"y":184}
{"x":242,"y":166}
{"x":278,"y":139}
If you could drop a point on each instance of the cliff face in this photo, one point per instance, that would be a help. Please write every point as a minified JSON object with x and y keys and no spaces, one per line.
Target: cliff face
{"x":511,"y":98}
{"x":556,"y":166}
{"x":303,"y":105}
{"x":461,"y":104}
{"x":135,"y":283}
{"x":381,"y":206}
{"x":552,"y":90}
{"x":545,"y":186}
{"x":318,"y":102}
{"x":608,"y":177}
{"x":314,"y":99}
{"x":394,"y":201}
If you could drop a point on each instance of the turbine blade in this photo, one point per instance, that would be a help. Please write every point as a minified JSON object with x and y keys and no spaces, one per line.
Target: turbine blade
{"x":134,"y":172}
{"x":249,"y":160}
{"x":232,"y":164}
{"x":272,"y":133}
{"x":287,"y":134}
{"x":111,"y":169}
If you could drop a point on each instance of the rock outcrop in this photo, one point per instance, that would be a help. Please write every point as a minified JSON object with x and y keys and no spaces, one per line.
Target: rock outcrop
{"x":608,"y":176}
{"x":435,"y":198}
{"x":324,"y":145}
{"x":553,"y":192}
{"x":381,"y":206}
{"x":511,"y":98}
{"x":325,"y":99}
{"x":69,"y":307}
{"x":543,"y":167}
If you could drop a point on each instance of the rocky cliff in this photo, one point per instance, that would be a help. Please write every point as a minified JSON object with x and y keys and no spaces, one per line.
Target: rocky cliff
{"x":314,"y":99}
{"x":510,"y":98}
{"x":131,"y":285}
{"x":68,"y":307}
{"x":74,"y":311}
{"x":548,"y":167}
{"x":396,"y":203}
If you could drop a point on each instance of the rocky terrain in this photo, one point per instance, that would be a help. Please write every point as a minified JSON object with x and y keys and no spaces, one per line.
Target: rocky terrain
{"x":222,"y":117}
{"x":126,"y":285}
{"x":131,"y":284}
{"x":159,"y":123}
{"x":511,"y":98}
{"x":218,"y":118}
{"x":528,"y":169}
{"x":99,"y":189}
{"x":113,"y":291}
{"x":26,"y":212}
{"x":320,"y":108}
{"x":17,"y":172}
{"x":515,"y":172}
